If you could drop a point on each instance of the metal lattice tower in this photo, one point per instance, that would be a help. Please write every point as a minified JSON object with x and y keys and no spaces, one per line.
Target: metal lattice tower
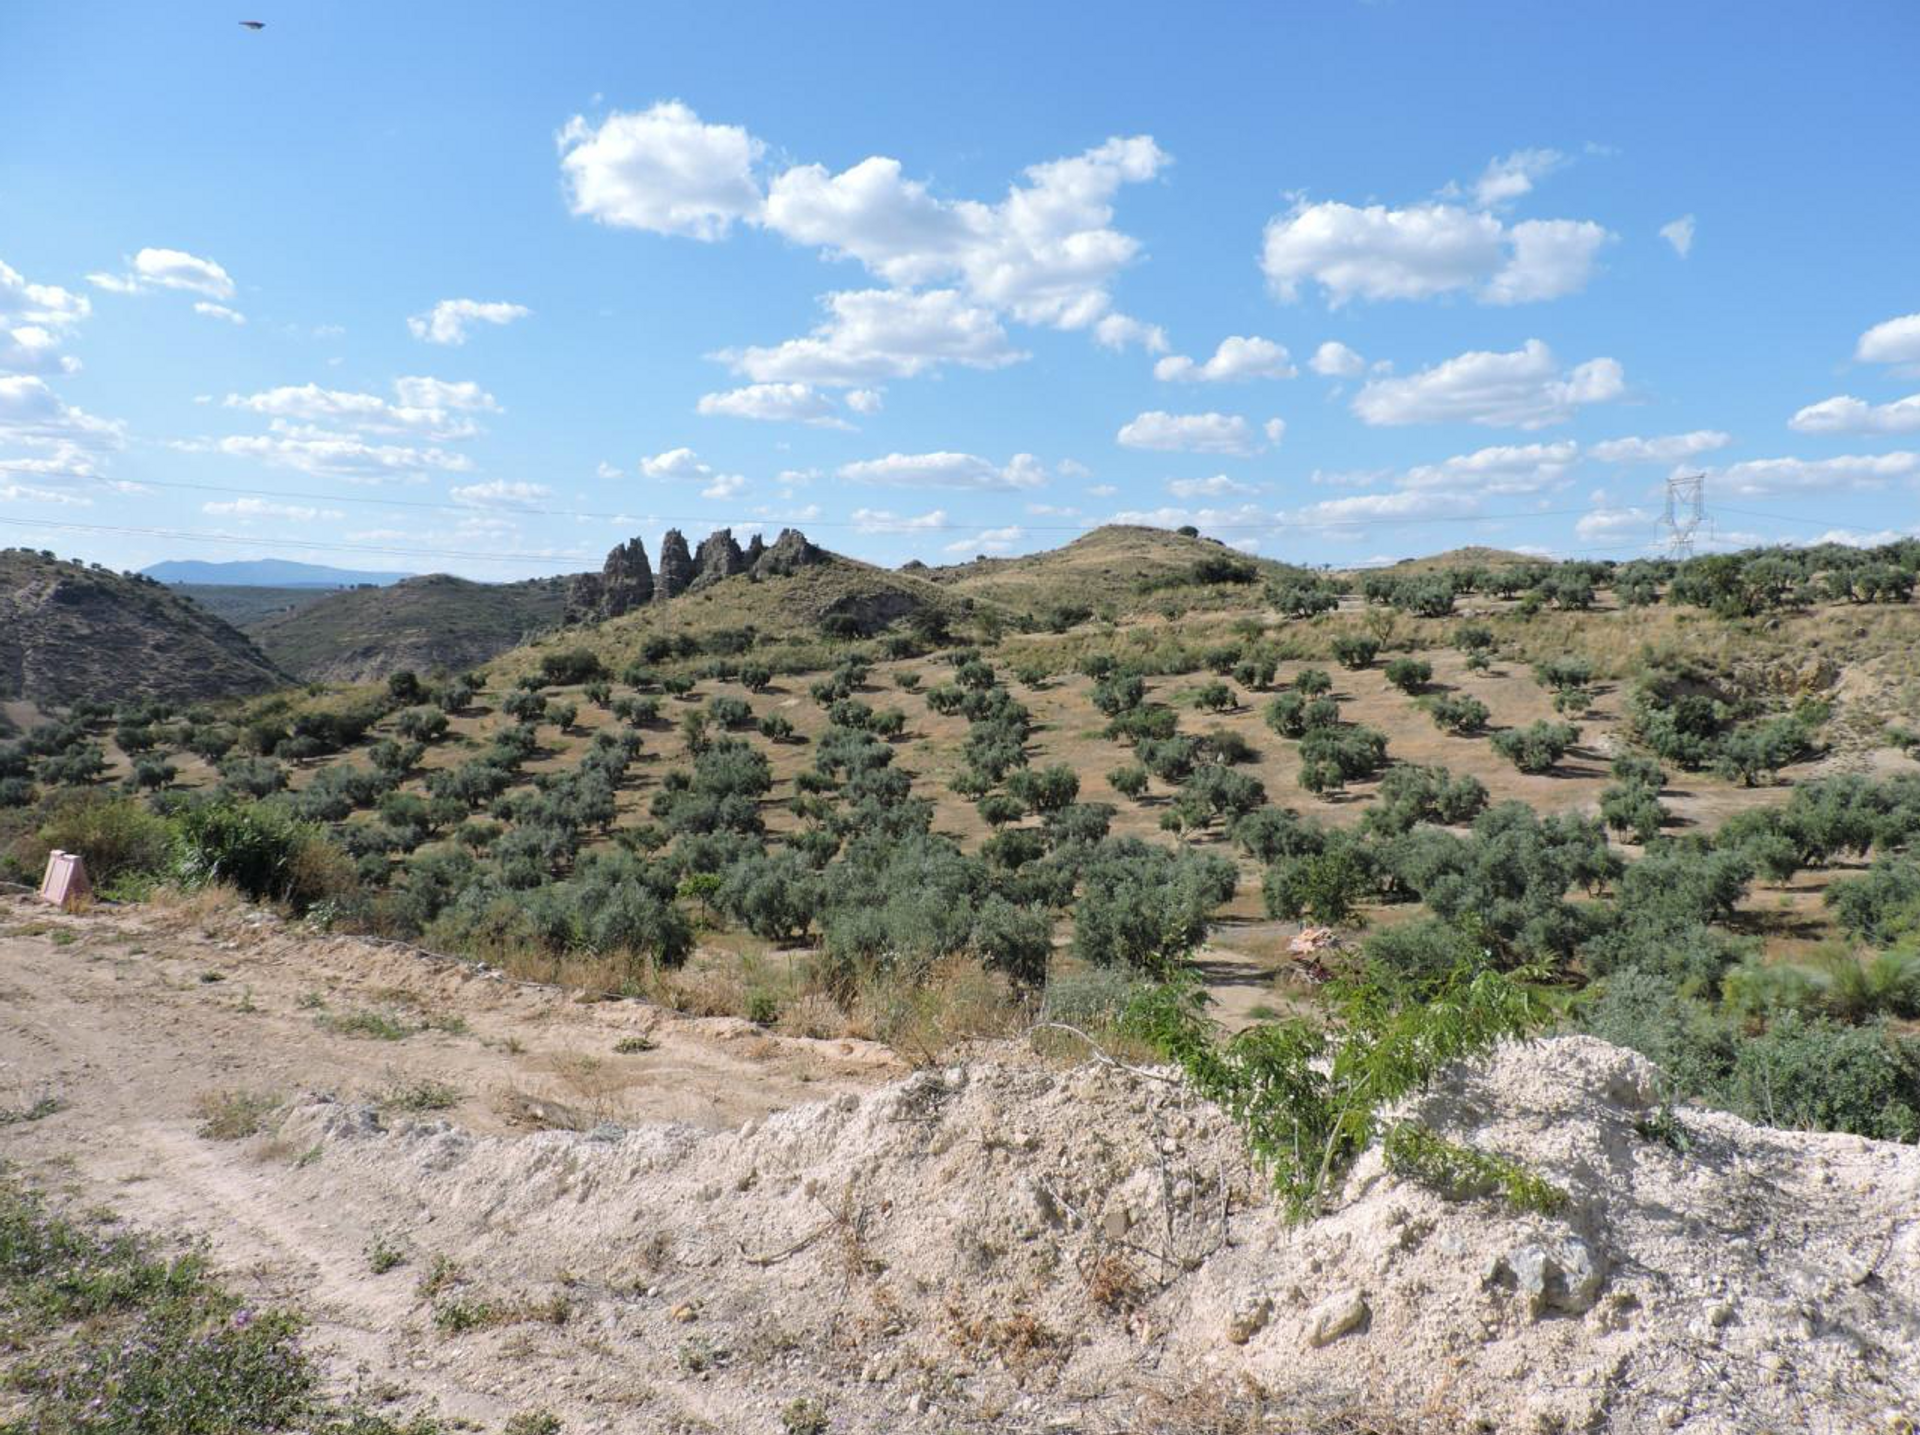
{"x":1686,"y":511}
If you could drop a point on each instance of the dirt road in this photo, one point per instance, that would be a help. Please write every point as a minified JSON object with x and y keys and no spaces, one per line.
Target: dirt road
{"x":138,"y":1025}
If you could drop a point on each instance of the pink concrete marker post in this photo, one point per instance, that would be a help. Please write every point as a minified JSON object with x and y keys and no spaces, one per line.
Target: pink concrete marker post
{"x":66,"y":879}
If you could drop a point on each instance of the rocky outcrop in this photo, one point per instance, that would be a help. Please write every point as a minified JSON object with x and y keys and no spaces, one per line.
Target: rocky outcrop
{"x":625,"y":583}
{"x":718,"y":557}
{"x":628,"y":581}
{"x":676,"y":571}
{"x":788,"y":553}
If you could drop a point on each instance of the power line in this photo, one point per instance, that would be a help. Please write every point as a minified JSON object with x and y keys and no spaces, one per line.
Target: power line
{"x":303,"y":545}
{"x":480,"y":556}
{"x":1275,"y":524}
{"x":1686,"y":512}
{"x":244,"y":540}
{"x":540,"y":511}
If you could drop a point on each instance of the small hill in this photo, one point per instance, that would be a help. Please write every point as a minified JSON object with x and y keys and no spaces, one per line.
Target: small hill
{"x":1118,"y":566}
{"x":1472,"y":556}
{"x":265,"y":573}
{"x":795,"y":606}
{"x":243,"y":604}
{"x":360,"y":634}
{"x":68,"y":631}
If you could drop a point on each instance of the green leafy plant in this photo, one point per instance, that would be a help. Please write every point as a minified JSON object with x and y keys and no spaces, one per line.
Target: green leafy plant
{"x":1308,"y":1095}
{"x":1459,"y":1172}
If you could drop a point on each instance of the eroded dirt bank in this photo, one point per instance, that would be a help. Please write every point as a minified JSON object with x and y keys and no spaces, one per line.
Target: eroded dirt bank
{"x":738,"y":1230}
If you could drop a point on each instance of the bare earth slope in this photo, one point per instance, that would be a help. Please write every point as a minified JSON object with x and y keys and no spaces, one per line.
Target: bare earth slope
{"x":69,"y":632}
{"x":748,"y":1221}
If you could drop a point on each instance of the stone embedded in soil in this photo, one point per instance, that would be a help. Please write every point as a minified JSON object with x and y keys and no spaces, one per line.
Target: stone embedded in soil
{"x":1249,"y":1319}
{"x":1339,"y":1314}
{"x":1566,"y":1279}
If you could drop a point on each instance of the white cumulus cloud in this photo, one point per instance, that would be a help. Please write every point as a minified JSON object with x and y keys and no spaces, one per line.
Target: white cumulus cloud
{"x":1236,"y":359}
{"x":1679,"y":233}
{"x":1895,"y":341}
{"x":880,"y":520}
{"x":1189,"y":433}
{"x":1762,"y":476}
{"x":42,"y":304}
{"x":1510,"y":468}
{"x":168,"y":269}
{"x":1614,"y":523}
{"x":947,"y":470}
{"x":1218,"y":486}
{"x":1362,"y":509}
{"x":774,"y":403}
{"x":245,"y":509}
{"x":875,"y":334}
{"x":1668,"y":448}
{"x":675,"y":463}
{"x":435,"y":408}
{"x":1523,"y":389}
{"x":1846,"y":414}
{"x":449,"y":321}
{"x":661,"y":169}
{"x":1045,"y":254}
{"x":1514,"y":175}
{"x":500,"y":493}
{"x":1426,"y":250}
{"x":990,"y":541}
{"x":219,"y":311}
{"x":1335,"y":360}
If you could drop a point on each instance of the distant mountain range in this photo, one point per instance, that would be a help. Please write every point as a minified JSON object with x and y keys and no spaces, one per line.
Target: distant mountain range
{"x":266,"y":573}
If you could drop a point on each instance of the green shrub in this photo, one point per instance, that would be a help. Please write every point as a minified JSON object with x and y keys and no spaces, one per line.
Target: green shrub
{"x":1295,"y":714}
{"x":1563,"y":673}
{"x":1323,"y":886}
{"x":1537,"y":747}
{"x":1351,"y":650}
{"x":1456,"y":712}
{"x":1409,"y":675}
{"x":1145,"y":908}
{"x":1308,"y":1095}
{"x":1410,"y":794}
{"x":575,"y":665}
{"x":1416,"y":957}
{"x":1331,"y":757}
{"x":1632,"y":807}
{"x":250,"y":846}
{"x":1815,"y":1076}
{"x":1884,"y":905}
{"x":118,"y":837}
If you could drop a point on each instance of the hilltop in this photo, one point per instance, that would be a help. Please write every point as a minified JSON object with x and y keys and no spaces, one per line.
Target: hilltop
{"x":265,"y":573}
{"x":70,"y":632}
{"x":421,"y":623}
{"x":1474,"y":555}
{"x":789,"y":588}
{"x":1117,"y":567}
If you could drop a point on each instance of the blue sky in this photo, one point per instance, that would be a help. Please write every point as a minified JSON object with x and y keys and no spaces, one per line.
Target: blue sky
{"x":487,"y":289}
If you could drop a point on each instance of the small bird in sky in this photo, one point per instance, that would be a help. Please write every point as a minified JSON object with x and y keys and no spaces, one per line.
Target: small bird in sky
{"x":254,"y":24}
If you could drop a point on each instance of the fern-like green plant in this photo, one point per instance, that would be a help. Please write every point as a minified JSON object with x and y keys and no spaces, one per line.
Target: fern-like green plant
{"x":1307,"y":1095}
{"x":1458,"y":1172}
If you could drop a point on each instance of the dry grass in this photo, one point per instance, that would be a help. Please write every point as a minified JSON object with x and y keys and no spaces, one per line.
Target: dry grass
{"x":235,"y":1115}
